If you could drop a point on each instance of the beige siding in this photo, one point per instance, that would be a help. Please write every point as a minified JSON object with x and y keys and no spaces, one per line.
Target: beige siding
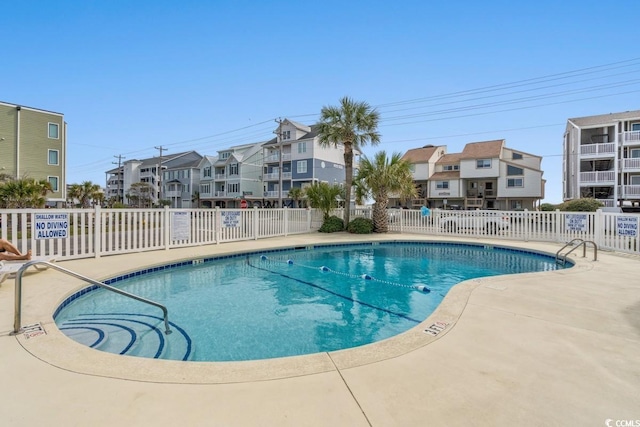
{"x":8,"y":139}
{"x":30,"y":144}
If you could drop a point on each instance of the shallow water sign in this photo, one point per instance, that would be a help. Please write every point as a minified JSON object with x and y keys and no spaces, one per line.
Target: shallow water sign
{"x":51,"y":226}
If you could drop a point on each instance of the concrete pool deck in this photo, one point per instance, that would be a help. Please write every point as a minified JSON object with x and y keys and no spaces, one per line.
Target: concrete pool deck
{"x":553,"y":348}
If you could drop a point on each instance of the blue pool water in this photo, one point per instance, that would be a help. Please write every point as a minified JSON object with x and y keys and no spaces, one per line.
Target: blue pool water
{"x":285,"y":302}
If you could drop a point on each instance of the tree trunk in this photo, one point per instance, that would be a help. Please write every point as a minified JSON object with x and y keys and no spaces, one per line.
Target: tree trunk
{"x":380,"y":215}
{"x":348,"y":181}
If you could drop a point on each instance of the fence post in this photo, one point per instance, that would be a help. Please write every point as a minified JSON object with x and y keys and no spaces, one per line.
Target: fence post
{"x":598,"y":227}
{"x":557,"y":226}
{"x":217,"y":225}
{"x":308,"y":219}
{"x":167,"y":228}
{"x":255,"y":222}
{"x":97,"y":231}
{"x":285,"y":215}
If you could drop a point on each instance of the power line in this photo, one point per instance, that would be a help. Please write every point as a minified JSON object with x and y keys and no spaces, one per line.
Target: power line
{"x":243,"y":136}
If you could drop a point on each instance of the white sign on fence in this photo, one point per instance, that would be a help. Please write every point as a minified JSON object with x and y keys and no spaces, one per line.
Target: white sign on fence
{"x":180,"y":226}
{"x":51,"y":226}
{"x":230,"y":219}
{"x":627,"y":226}
{"x":576,"y":222}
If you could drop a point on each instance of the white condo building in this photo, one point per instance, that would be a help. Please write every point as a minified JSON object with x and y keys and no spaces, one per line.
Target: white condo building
{"x":602,"y":158}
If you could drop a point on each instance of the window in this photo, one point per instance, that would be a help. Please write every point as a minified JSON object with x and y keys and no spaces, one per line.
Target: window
{"x":516,"y":204}
{"x":53,"y":180}
{"x":286,"y":135}
{"x":234,"y":188}
{"x":301,"y":166}
{"x":635,"y":126}
{"x":185,"y":188}
{"x":483,"y":163}
{"x":516,"y":156}
{"x":515,"y":182}
{"x":442,"y":185}
{"x":512,"y":170}
{"x":53,"y":131}
{"x":224,"y":156}
{"x":206,"y":172}
{"x":205,"y":188}
{"x":302,"y":147}
{"x":53,"y":157}
{"x":233,"y":169}
{"x":635,"y":153}
{"x":451,"y":167}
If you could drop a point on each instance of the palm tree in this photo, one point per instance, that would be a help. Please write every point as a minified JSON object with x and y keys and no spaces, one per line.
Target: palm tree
{"x":295,"y":194}
{"x":351,"y":124}
{"x":24,"y":193}
{"x":85,"y":193}
{"x":323,"y":197}
{"x":381,"y":177}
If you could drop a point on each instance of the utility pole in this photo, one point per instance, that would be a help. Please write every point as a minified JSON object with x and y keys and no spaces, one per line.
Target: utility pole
{"x":120,"y":174}
{"x":161,"y":148}
{"x":278,"y":132}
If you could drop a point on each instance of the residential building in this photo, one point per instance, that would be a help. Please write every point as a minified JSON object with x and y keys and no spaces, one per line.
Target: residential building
{"x":601,"y":158}
{"x":485,"y":175}
{"x":33,"y":144}
{"x":120,"y":180}
{"x":234,"y":175}
{"x":207,"y":181}
{"x":181,"y":180}
{"x":423,"y":164}
{"x":295,"y":159}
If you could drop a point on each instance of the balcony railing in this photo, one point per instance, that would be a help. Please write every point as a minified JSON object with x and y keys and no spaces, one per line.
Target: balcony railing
{"x":276,"y":176}
{"x":221,"y":176}
{"x":276,"y":158}
{"x":630,"y":165}
{"x":598,"y":177}
{"x":629,"y":191}
{"x":630,"y":138}
{"x":173,"y":193}
{"x":594,"y":150}
{"x":608,"y":203}
{"x":219,"y":194}
{"x":273,"y":194}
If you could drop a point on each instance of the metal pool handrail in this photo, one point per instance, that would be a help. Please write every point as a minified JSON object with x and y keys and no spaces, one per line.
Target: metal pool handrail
{"x":18,"y":292}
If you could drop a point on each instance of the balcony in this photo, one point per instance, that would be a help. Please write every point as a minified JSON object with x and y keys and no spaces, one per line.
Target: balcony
{"x":221,"y":176}
{"x":607,"y":149}
{"x":219,"y":194}
{"x":630,"y":138}
{"x":276,"y":158}
{"x":276,"y":176}
{"x":276,"y":194}
{"x":173,"y":193}
{"x":629,"y":192}
{"x":608,"y":203}
{"x":598,"y":178}
{"x":630,"y":165}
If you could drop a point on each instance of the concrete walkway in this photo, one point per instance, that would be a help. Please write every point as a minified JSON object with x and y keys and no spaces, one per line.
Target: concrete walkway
{"x":541,"y":349}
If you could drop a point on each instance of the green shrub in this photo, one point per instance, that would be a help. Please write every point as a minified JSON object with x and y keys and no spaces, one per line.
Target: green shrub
{"x":548,"y":207}
{"x":581,"y":205}
{"x":332,"y":224}
{"x":360,"y":226}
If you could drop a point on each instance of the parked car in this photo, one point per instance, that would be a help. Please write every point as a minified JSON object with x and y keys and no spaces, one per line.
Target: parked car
{"x":489,"y":222}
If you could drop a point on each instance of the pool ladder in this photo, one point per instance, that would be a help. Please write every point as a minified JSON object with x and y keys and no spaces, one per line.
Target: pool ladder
{"x":18,"y":291}
{"x":575,"y":244}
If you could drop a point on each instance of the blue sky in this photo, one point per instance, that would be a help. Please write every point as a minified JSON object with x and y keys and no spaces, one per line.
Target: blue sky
{"x":204,"y":75}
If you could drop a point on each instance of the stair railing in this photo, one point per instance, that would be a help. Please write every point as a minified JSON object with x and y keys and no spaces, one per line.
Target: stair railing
{"x":18,"y":293}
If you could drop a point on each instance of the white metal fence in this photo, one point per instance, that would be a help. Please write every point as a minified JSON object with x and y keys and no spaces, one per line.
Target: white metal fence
{"x":83,"y":233}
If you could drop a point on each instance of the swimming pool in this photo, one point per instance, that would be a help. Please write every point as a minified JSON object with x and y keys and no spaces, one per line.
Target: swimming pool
{"x":283,"y":302}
